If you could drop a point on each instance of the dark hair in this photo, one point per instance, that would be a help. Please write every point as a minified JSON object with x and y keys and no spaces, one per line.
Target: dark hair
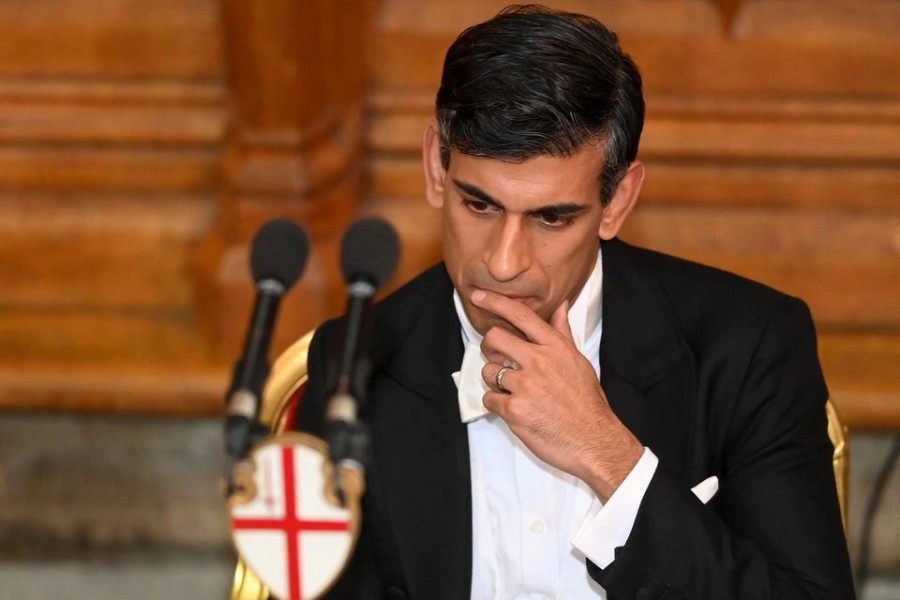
{"x":533,"y":82}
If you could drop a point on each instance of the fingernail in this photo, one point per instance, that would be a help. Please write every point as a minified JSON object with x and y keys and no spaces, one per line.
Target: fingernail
{"x":478,"y":295}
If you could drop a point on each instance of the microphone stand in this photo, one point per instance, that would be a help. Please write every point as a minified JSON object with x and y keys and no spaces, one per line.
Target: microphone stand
{"x":347,"y":436}
{"x":369,"y":253}
{"x":277,"y":258}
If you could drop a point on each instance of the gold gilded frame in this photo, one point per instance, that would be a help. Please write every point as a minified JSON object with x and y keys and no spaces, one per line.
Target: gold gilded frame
{"x":288,"y":374}
{"x":840,"y":460}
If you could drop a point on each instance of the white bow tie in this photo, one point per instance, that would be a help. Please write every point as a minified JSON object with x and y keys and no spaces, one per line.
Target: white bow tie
{"x":470,"y":384}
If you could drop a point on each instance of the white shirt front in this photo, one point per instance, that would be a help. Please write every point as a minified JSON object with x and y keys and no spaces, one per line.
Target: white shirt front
{"x":533,"y":525}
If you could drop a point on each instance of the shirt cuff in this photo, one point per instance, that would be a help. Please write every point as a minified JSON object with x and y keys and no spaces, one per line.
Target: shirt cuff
{"x":607,"y":526}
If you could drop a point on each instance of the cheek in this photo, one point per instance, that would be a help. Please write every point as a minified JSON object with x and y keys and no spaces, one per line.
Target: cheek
{"x":566,"y":265}
{"x":454,"y":253}
{"x":462,"y":240}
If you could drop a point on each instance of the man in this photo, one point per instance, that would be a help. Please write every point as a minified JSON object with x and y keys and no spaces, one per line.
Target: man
{"x":554,"y":417}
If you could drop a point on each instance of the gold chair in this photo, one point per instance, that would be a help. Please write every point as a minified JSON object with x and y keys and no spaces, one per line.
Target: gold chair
{"x":840,"y":460}
{"x":289,"y":375}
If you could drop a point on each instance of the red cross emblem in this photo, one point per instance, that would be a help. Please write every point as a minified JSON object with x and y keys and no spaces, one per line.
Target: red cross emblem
{"x":290,"y":505}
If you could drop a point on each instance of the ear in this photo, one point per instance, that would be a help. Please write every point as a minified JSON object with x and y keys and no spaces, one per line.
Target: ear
{"x":434,"y":170}
{"x":623,"y":201}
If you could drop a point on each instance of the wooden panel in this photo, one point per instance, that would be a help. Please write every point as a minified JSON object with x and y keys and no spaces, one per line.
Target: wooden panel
{"x":694,"y":133}
{"x":702,"y":183}
{"x":103,"y":169}
{"x":123,"y":113}
{"x":787,"y":233}
{"x":112,"y":116}
{"x":814,"y":19}
{"x":109,"y":38}
{"x":59,"y":135}
{"x":62,"y":336}
{"x":660,"y":16}
{"x":863,"y":375}
{"x":121,"y":253}
{"x":735,"y":140}
{"x":872,"y":187}
{"x":792,"y":67}
{"x":113,"y":388}
{"x":681,"y":46}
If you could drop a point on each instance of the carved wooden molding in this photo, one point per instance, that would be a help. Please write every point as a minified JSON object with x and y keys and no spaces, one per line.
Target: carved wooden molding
{"x":729,"y":10}
{"x":719,"y":130}
{"x":296,"y":81}
{"x":112,"y":112}
{"x":93,"y":39}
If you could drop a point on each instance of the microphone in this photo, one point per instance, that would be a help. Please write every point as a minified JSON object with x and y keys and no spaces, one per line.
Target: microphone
{"x":369,"y":255}
{"x":277,"y":258}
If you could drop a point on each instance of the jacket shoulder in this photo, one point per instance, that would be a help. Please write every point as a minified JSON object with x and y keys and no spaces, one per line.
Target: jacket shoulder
{"x":708,"y":302}
{"x":704,"y":284}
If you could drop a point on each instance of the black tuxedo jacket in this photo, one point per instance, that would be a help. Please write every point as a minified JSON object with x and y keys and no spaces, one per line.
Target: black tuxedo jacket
{"x":715,"y":374}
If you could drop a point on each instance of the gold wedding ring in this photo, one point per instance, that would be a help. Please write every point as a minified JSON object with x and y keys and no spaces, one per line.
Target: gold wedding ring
{"x":498,"y":379}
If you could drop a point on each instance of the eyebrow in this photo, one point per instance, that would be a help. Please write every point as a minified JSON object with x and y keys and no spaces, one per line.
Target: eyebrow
{"x":562,"y":209}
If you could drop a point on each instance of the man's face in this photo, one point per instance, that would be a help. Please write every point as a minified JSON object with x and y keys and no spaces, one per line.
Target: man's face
{"x":527,"y":230}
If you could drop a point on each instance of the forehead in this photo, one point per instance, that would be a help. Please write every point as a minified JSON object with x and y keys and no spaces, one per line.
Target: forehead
{"x":537,"y":181}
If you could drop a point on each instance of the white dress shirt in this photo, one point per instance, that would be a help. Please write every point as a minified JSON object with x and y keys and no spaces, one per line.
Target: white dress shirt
{"x":533,"y":525}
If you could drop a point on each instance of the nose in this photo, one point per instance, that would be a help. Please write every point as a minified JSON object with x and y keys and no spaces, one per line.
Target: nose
{"x":508,"y":253}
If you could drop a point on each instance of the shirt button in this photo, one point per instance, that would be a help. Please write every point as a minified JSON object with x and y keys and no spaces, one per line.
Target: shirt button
{"x":537,"y":527}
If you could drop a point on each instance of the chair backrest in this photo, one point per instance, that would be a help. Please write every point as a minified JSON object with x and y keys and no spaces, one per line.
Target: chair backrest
{"x":285,"y":384}
{"x":840,"y":460}
{"x":283,"y":390}
{"x":285,"y":387}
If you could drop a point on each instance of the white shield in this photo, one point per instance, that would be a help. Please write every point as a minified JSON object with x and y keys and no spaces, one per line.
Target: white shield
{"x":293,"y":538}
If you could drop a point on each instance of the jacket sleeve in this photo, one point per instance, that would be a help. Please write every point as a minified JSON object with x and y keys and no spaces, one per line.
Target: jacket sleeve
{"x":774,"y":530}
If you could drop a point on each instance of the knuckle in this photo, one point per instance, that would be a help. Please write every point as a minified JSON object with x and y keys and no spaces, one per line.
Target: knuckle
{"x":514,"y":409}
{"x":490,"y":339}
{"x":541,"y":363}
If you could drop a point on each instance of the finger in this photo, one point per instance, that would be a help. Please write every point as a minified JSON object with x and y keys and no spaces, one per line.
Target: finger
{"x":495,"y":356}
{"x":516,"y":313}
{"x":489,"y":374}
{"x":559,"y":320}
{"x":501,"y":346}
{"x":496,"y":402}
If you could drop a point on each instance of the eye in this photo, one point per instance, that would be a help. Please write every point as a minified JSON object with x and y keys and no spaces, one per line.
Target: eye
{"x":479,"y":207}
{"x":553,"y":219}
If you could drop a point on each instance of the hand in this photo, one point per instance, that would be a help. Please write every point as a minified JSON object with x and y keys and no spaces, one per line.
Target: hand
{"x":553,"y":402}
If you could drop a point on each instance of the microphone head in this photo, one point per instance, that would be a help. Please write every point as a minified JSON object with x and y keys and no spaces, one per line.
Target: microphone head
{"x":370,"y":251}
{"x":278,"y":255}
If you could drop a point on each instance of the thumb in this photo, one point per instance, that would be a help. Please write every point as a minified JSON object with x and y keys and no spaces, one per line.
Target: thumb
{"x":560,"y":320}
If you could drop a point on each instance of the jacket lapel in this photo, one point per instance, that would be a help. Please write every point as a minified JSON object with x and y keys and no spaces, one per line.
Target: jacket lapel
{"x":647,"y":369}
{"x":423,"y":452}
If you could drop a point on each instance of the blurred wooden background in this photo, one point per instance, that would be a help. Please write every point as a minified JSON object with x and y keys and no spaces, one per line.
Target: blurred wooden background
{"x":142,"y":143}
